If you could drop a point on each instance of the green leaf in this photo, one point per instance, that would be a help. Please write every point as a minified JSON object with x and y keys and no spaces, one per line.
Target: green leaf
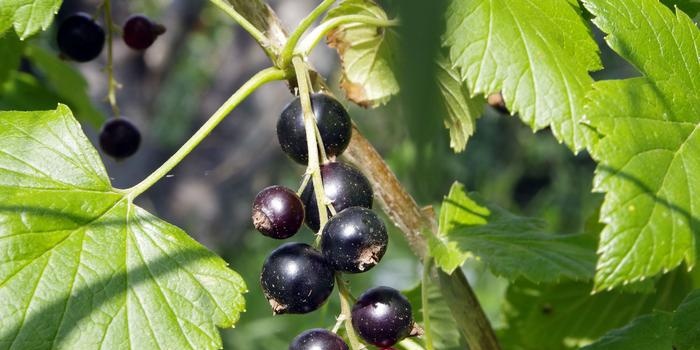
{"x":27,"y":16}
{"x":67,"y":83}
{"x":649,"y":151}
{"x":690,"y":7}
{"x":10,"y":55}
{"x":658,"y":330}
{"x":82,"y":267}
{"x":511,"y":246}
{"x":646,"y":332}
{"x":563,"y":315}
{"x":539,"y":62}
{"x":367,"y":53}
{"x":685,"y":324}
{"x":23,"y":91}
{"x":462,"y":110}
{"x":444,"y":330}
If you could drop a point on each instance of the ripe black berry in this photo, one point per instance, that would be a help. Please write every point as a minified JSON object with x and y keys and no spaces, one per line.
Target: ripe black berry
{"x":318,"y":339}
{"x":139,"y":32}
{"x":354,"y":240}
{"x":119,"y":138}
{"x":278,"y":212}
{"x":345,"y":187}
{"x":382,"y":316}
{"x":80,"y":38}
{"x":296,"y":279}
{"x":333,"y":124}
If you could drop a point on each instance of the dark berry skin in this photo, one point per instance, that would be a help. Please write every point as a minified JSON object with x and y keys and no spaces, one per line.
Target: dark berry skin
{"x":296,"y":279}
{"x":119,"y":138}
{"x":382,"y":316}
{"x":333,"y":124}
{"x":345,"y":187}
{"x":80,"y":38}
{"x":278,"y":212}
{"x":318,"y":339}
{"x":354,"y":240}
{"x":139,"y":32}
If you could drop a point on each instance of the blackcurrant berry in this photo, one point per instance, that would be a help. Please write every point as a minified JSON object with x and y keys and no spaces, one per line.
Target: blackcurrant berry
{"x":354,"y":240}
{"x":333,"y":124}
{"x":296,"y":279}
{"x":345,"y":187}
{"x":139,"y":32}
{"x":119,"y":138}
{"x":382,"y":316}
{"x":278,"y":212}
{"x":318,"y":339}
{"x":80,"y":38}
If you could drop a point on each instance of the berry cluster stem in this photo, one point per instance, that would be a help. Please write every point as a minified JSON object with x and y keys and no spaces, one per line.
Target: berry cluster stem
{"x":428,"y":335}
{"x":314,"y":167}
{"x":112,"y":82}
{"x":261,"y":38}
{"x":259,"y":79}
{"x":311,"y":40}
{"x":288,"y":49}
{"x":346,"y":310}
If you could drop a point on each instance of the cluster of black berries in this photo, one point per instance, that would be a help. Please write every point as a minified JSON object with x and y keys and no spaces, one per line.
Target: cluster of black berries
{"x":81,"y":39}
{"x":296,"y":278}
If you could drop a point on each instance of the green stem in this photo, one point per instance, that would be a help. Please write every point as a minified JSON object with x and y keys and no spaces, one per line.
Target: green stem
{"x":243,"y":22}
{"x":428,"y":335}
{"x":345,"y":307}
{"x":259,"y":79}
{"x":112,"y":83}
{"x":311,"y":40}
{"x":288,"y":49}
{"x":313,"y":167}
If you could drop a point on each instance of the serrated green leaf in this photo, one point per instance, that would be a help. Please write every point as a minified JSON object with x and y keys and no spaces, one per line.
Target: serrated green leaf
{"x":658,"y":330}
{"x":646,"y":332}
{"x":564,"y":315}
{"x":444,"y":330}
{"x":82,"y":267}
{"x":686,"y":323}
{"x":690,"y":7}
{"x":538,"y":53}
{"x":367,"y":53}
{"x":510,"y":245}
{"x":462,"y":109}
{"x":10,"y":55}
{"x":67,"y":83}
{"x":27,"y":16}
{"x":649,"y":153}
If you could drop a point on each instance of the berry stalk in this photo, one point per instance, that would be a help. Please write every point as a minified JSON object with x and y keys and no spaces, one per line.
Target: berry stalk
{"x":259,"y":36}
{"x":311,"y":40}
{"x":290,"y":45}
{"x":346,"y":309}
{"x":313,"y":167}
{"x":112,"y":83}
{"x":261,"y":78}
